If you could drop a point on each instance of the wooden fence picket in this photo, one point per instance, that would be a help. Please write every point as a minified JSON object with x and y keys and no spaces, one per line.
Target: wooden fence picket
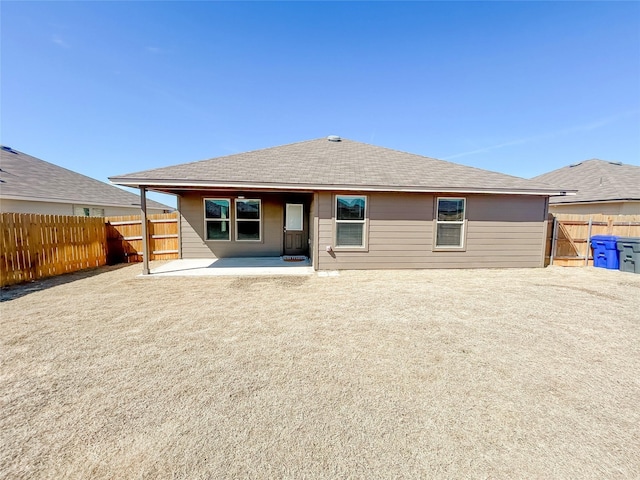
{"x":38,"y":246}
{"x":124,"y":236}
{"x":572,"y":247}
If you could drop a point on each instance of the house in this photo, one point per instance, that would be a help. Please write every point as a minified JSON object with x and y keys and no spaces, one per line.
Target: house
{"x":610,"y":188}
{"x":351,"y":205}
{"x":31,"y":185}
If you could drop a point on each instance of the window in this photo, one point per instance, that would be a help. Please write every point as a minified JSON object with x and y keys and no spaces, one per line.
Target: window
{"x":450,"y":223}
{"x":294,"y":217}
{"x":248,"y":215}
{"x":350,"y":221}
{"x":88,"y":211}
{"x":217,"y":220}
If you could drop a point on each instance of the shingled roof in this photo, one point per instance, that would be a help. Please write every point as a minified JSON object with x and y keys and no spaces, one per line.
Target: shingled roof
{"x":323,"y":164}
{"x":23,"y":177}
{"x":596,"y":181}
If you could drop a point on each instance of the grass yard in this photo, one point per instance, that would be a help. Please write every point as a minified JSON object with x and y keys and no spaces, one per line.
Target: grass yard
{"x":404,"y":374}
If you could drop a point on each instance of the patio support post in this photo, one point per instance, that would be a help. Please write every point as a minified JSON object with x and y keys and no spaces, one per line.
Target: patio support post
{"x":145,"y":236}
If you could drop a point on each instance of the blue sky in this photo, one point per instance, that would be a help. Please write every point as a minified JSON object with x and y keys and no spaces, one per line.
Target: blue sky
{"x":106,"y":88}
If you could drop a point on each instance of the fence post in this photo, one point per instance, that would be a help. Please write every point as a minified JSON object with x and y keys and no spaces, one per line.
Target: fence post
{"x":554,"y":234}
{"x":586,"y":255}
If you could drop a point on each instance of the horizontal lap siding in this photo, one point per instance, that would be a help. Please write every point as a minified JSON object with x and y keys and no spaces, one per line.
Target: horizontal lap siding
{"x":502,"y":231}
{"x":192,"y":228}
{"x":193,"y":244}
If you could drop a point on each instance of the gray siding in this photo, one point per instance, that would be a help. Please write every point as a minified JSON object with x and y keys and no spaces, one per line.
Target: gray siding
{"x":313,"y":227}
{"x":501,"y":231}
{"x":192,"y":231}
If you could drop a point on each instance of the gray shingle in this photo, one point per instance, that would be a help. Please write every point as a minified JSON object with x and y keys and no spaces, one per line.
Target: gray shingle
{"x":343,"y":164}
{"x":27,"y":177}
{"x":596,"y":180}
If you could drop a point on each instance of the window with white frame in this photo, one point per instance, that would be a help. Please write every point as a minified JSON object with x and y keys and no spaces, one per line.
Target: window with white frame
{"x":88,"y":211}
{"x":216,"y":218}
{"x":248,"y":220}
{"x":450,"y":217}
{"x":350,"y":220}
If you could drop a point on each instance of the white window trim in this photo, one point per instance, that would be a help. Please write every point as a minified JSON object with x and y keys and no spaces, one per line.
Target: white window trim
{"x":228,"y":220}
{"x":463,"y":229}
{"x":93,"y":211}
{"x":259,"y":219}
{"x":364,"y":222}
{"x":85,"y":211}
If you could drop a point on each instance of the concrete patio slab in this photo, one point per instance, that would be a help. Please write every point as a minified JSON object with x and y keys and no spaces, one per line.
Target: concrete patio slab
{"x":232,"y":266}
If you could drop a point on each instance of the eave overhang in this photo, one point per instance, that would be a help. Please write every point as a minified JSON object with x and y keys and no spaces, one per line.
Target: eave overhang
{"x":164,"y":185}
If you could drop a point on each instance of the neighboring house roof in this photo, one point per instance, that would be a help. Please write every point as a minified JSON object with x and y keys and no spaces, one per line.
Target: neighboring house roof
{"x":23,"y":177}
{"x":596,"y":181}
{"x":337,"y":164}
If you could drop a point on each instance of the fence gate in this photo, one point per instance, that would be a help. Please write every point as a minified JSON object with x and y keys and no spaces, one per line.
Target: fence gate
{"x":124,"y":238}
{"x":571,"y":233}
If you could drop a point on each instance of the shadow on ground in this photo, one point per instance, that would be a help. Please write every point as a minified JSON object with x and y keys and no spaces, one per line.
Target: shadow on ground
{"x":20,"y":290}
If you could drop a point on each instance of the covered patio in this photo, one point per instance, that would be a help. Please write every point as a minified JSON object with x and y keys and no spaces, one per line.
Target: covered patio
{"x":257,"y":266}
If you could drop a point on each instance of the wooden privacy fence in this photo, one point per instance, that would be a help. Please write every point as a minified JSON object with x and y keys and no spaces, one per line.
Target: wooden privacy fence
{"x":39,"y":246}
{"x":124,"y":237}
{"x":570,"y":234}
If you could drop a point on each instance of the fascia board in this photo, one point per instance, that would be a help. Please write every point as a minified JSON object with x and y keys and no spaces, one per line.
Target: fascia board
{"x":178,"y":184}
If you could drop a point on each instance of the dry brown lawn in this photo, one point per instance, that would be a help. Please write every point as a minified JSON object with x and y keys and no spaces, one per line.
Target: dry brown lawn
{"x":403,"y":374}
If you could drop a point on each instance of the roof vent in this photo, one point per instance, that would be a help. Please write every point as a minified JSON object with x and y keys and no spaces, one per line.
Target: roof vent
{"x":334,"y":138}
{"x":575,"y":164}
{"x":9,"y":149}
{"x":615,"y":163}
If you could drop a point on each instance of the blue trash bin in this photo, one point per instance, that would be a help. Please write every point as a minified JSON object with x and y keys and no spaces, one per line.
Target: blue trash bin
{"x":629,"y":248}
{"x":605,"y":251}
